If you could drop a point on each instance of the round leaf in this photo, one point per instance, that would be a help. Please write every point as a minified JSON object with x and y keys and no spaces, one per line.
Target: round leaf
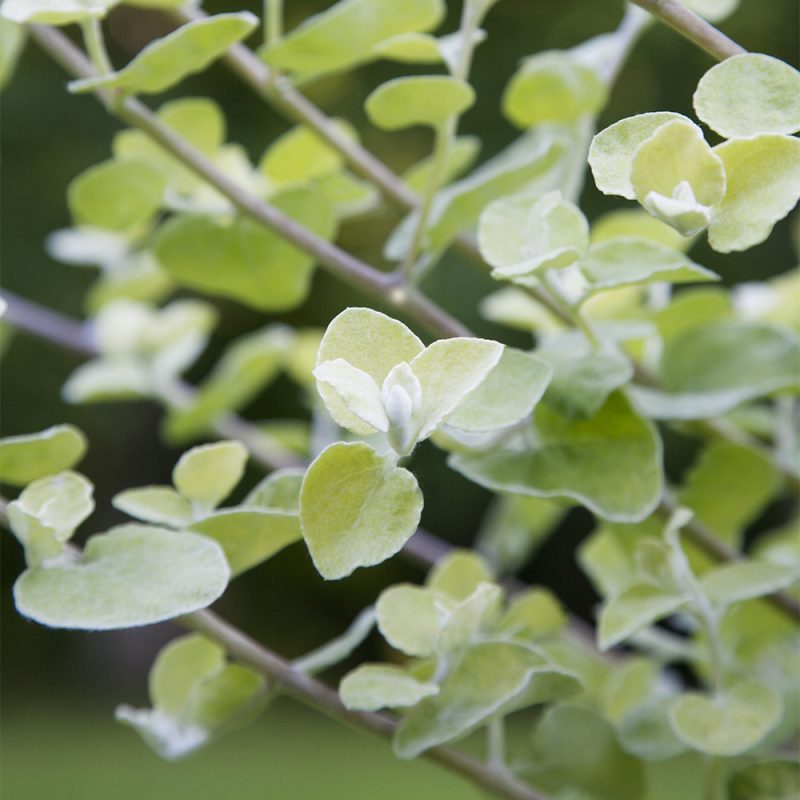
{"x":161,"y":505}
{"x":206,"y":475}
{"x":26,"y":458}
{"x":459,"y":574}
{"x":374,"y":686}
{"x":408,"y":619}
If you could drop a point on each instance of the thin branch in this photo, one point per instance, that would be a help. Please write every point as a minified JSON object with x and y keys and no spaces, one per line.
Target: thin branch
{"x":339,"y":262}
{"x":314,"y":693}
{"x":692,"y":27}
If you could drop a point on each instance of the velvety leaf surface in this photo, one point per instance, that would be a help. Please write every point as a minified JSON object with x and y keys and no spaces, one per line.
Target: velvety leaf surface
{"x":31,"y":456}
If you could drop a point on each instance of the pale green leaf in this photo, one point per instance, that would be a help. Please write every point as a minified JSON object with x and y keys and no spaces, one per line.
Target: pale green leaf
{"x":515,"y":308}
{"x":356,"y":509}
{"x":610,"y":463}
{"x":409,"y":619}
{"x":410,"y":48}
{"x":637,"y":607}
{"x":250,"y":536}
{"x":749,"y":94}
{"x":140,"y":279}
{"x":634,"y":261}
{"x":677,"y":177}
{"x":777,"y":779}
{"x":348,"y":195}
{"x":132,"y":575}
{"x":346,"y":34}
{"x":647,"y":734}
{"x":118,"y":195}
{"x":533,"y":614}
{"x":613,"y":149}
{"x":105,"y":379}
{"x":31,"y":456}
{"x":458,"y":574}
{"x":553,"y":86}
{"x":633,"y":222}
{"x":161,"y":505}
{"x":733,"y":583}
{"x":763,"y":175}
{"x":488,"y":680}
{"x":12,"y":41}
{"x":459,"y":157}
{"x":167,"y":61}
{"x":374,"y":686}
{"x":55,"y":12}
{"x":629,"y":685}
{"x":243,"y":260}
{"x":729,"y":724}
{"x":418,"y":100}
{"x":241,"y":372}
{"x":225,"y":698}
{"x":448,"y":370}
{"x":472,"y":617}
{"x":279,"y":491}
{"x":507,"y":394}
{"x":207,"y":474}
{"x":355,"y":391}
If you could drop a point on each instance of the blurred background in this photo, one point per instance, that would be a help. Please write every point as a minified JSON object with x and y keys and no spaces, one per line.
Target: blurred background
{"x":59,"y":689}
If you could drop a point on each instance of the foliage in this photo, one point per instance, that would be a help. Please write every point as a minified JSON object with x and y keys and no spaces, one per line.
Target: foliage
{"x":624,"y":354}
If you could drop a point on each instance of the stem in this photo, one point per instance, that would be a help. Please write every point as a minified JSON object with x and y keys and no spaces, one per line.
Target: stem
{"x":496,"y":744}
{"x":95,"y":45}
{"x":316,"y":694}
{"x":273,"y":21}
{"x":339,"y":648}
{"x":692,"y":27}
{"x":337,"y":261}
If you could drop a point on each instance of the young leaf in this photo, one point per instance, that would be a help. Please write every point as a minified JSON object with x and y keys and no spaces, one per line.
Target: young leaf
{"x":635,"y":223}
{"x":533,"y":614}
{"x":356,"y":509}
{"x":410,"y":48}
{"x":418,"y":100}
{"x":553,"y":87}
{"x":763,"y":175}
{"x":409,"y":619}
{"x":506,"y":396}
{"x":475,"y":615}
{"x":458,"y":574}
{"x":279,"y":491}
{"x":612,"y":150}
{"x":250,"y":536}
{"x":637,"y":607}
{"x":55,"y":12}
{"x":207,"y":474}
{"x":31,"y":456}
{"x":729,"y":724}
{"x":346,"y":34}
{"x":749,"y":94}
{"x":161,"y":505}
{"x":242,"y":260}
{"x":132,"y":575}
{"x":610,"y":463}
{"x":167,"y":61}
{"x":733,"y":583}
{"x":374,"y":686}
{"x":356,"y":391}
{"x":118,"y":195}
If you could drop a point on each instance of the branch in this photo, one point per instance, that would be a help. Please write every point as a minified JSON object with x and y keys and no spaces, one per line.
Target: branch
{"x":339,"y":262}
{"x":692,"y":27}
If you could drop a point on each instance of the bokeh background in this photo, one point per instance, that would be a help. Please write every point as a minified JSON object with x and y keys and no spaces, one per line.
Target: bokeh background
{"x":59,"y":689}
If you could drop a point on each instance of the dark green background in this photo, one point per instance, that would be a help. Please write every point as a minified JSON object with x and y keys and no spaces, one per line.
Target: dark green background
{"x":59,"y":688}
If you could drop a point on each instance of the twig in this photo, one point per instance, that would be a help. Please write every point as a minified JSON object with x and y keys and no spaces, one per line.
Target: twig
{"x":692,"y":27}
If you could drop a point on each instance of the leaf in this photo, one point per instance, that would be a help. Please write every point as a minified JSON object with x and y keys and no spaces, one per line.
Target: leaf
{"x":346,"y":34}
{"x":763,"y":175}
{"x":348,"y":196}
{"x":459,"y":157}
{"x":207,"y":474}
{"x":458,"y":574}
{"x":161,"y":505}
{"x":729,"y":724}
{"x":633,"y":262}
{"x":356,"y":391}
{"x":553,"y":86}
{"x":610,"y":463}
{"x":118,"y":195}
{"x":533,"y":614}
{"x":506,"y":395}
{"x":243,"y":260}
{"x":31,"y":456}
{"x":637,"y":607}
{"x":374,"y":686}
{"x":418,"y":100}
{"x":356,"y":509}
{"x":55,"y":12}
{"x":409,"y":619}
{"x":486,"y":681}
{"x":133,"y":575}
{"x":243,"y":370}
{"x":612,"y":150}
{"x":279,"y":491}
{"x":677,"y":177}
{"x":106,"y":379}
{"x":369,"y":341}
{"x":777,"y":779}
{"x":630,"y":222}
{"x":733,"y":583}
{"x":574,"y":747}
{"x":410,"y":48}
{"x":647,"y":734}
{"x":12,"y":42}
{"x":749,"y":94}
{"x":250,"y":536}
{"x":167,"y":61}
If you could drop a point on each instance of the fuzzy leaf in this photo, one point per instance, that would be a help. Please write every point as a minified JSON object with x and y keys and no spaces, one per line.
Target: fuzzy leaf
{"x":356,"y":391}
{"x":418,"y":100}
{"x":533,"y":614}
{"x":356,"y":509}
{"x":279,"y":491}
{"x":167,"y":61}
{"x":207,"y":474}
{"x":409,"y":619}
{"x":610,"y":463}
{"x":636,"y":608}
{"x":55,"y":12}
{"x":749,"y":94}
{"x":636,"y":223}
{"x":458,"y":574}
{"x":31,"y":456}
{"x":460,"y":155}
{"x":161,"y":505}
{"x":132,"y":575}
{"x":374,"y":686}
{"x":733,"y":583}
